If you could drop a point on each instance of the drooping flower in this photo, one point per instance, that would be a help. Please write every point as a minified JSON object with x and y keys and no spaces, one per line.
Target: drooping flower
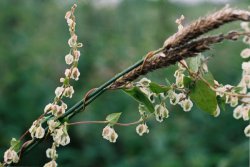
{"x":52,"y":124}
{"x":144,"y":82}
{"x":36,"y":130}
{"x":247,"y":131}
{"x":161,"y":112}
{"x":109,"y":134}
{"x":76,"y":55}
{"x":245,"y":53}
{"x":186,"y":104}
{"x":51,"y":153}
{"x":237,"y":113}
{"x":60,"y":136}
{"x":69,"y":59}
{"x":10,"y":156}
{"x":75,"y":73}
{"x":59,"y":91}
{"x":246,"y":67}
{"x":48,"y":108}
{"x":69,"y":91}
{"x":67,"y":73}
{"x":142,"y":128}
{"x":51,"y":164}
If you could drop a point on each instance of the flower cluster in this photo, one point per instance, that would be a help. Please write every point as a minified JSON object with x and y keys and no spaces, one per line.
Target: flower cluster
{"x":10,"y":156}
{"x":109,"y":134}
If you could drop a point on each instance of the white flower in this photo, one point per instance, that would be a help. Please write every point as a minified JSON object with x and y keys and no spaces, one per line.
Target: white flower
{"x":173,"y":97}
{"x":62,"y":80}
{"x":70,"y":22}
{"x":245,"y":53}
{"x":142,"y":128}
{"x":69,"y":59}
{"x":217,"y":111}
{"x":75,"y":73}
{"x":36,"y":130}
{"x":246,"y":80}
{"x":109,"y":133}
{"x":246,"y":40}
{"x":69,"y":91}
{"x":233,"y":101}
{"x":247,"y":131}
{"x":245,"y":113}
{"x":144,"y":82}
{"x":77,"y":54}
{"x":67,"y":73}
{"x":60,"y":136}
{"x":51,"y":153}
{"x":161,"y":112}
{"x":48,"y":108}
{"x":67,"y":15}
{"x":10,"y":156}
{"x":186,"y":104}
{"x":59,"y":91}
{"x":142,"y":109}
{"x":39,"y":132}
{"x":72,"y":41}
{"x":179,"y":81}
{"x":52,"y":125}
{"x":237,"y":113}
{"x":220,"y":91}
{"x":246,"y":67}
{"x":245,"y":26}
{"x":51,"y":164}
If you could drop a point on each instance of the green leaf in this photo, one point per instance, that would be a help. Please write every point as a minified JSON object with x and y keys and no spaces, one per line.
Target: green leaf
{"x":15,"y":144}
{"x":154,"y":87}
{"x":113,"y":118}
{"x":208,"y":76}
{"x":204,"y":97}
{"x":188,"y":82}
{"x":139,"y":96}
{"x":194,"y":63}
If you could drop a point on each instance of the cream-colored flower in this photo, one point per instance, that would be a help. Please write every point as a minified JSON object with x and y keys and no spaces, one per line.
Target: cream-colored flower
{"x":179,"y":81}
{"x":69,"y":91}
{"x":237,"y":113}
{"x":246,"y":67}
{"x":51,"y":153}
{"x":69,"y":59}
{"x":109,"y":133}
{"x":142,"y":128}
{"x":245,"y":53}
{"x":144,"y":82}
{"x":161,"y":112}
{"x":247,"y":131}
{"x":75,"y":73}
{"x":52,"y":124}
{"x":67,"y":15}
{"x":186,"y":104}
{"x":59,"y":91}
{"x":10,"y":156}
{"x":60,"y":136}
{"x":48,"y":108}
{"x":51,"y":164}
{"x":67,"y":73}
{"x":76,"y":55}
{"x":40,"y":132}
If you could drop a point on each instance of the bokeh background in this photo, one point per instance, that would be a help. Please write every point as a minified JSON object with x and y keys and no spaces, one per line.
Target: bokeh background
{"x":115,"y":33}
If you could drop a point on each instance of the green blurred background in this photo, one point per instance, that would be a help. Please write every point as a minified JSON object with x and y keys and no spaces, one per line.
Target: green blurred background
{"x":115,"y":34}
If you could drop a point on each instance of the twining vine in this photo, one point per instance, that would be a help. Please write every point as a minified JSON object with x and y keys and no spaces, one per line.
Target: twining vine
{"x":194,"y":85}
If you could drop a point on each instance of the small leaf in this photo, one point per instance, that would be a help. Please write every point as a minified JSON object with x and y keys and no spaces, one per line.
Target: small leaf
{"x":204,"y":97}
{"x":15,"y":144}
{"x":113,"y":118}
{"x":139,"y":96}
{"x":154,"y":87}
{"x":194,"y":63}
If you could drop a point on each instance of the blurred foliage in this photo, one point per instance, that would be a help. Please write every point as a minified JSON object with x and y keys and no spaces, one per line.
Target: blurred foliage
{"x":33,"y":44}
